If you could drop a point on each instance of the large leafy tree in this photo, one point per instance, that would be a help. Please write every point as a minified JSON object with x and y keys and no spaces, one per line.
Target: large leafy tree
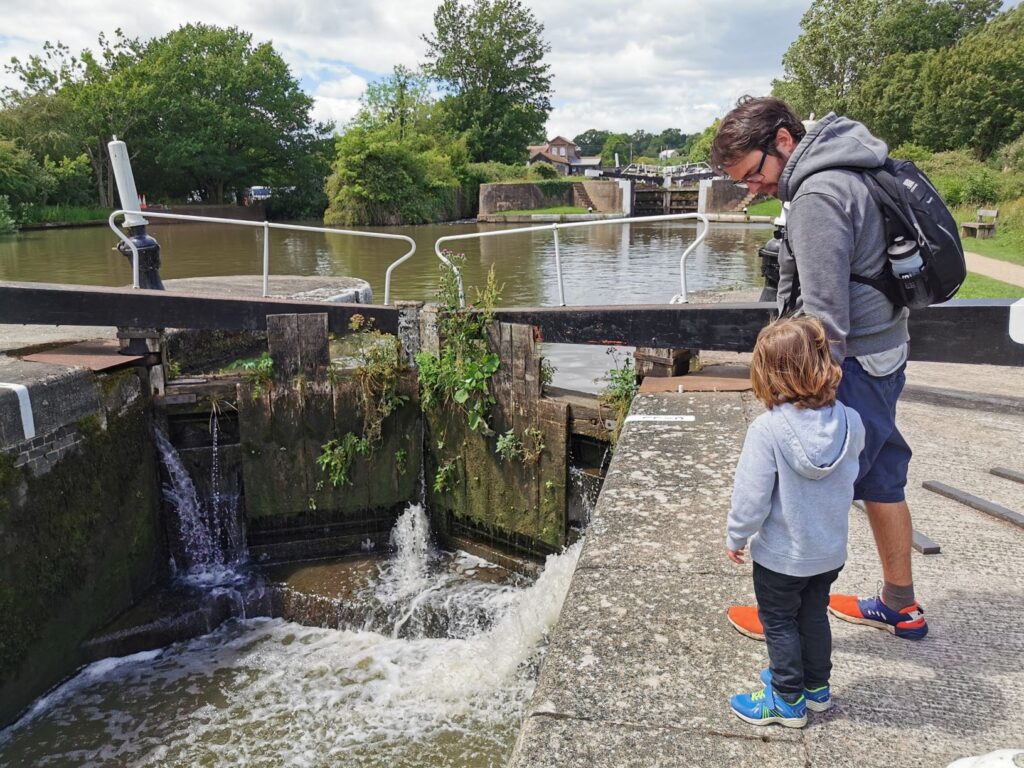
{"x":974,"y":93}
{"x":400,"y":103}
{"x":844,"y":42}
{"x":591,"y":141}
{"x":489,"y":57}
{"x":891,"y":96}
{"x":71,"y":104}
{"x":226,"y":113}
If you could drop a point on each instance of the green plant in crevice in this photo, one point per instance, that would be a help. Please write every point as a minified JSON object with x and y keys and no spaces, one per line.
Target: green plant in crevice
{"x":401,"y":460}
{"x":444,"y":480}
{"x":509,"y":447}
{"x":336,"y":457}
{"x":257,"y":371}
{"x":378,"y":376}
{"x":533,"y":438}
{"x":547,"y":372}
{"x":460,"y":375}
{"x":618,"y":394}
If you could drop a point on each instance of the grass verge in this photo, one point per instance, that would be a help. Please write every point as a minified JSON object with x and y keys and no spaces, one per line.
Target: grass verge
{"x":772,"y":207}
{"x":981,"y":287}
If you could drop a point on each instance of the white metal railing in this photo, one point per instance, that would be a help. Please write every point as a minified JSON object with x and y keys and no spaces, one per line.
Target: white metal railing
{"x":679,"y":299}
{"x":266,"y":226}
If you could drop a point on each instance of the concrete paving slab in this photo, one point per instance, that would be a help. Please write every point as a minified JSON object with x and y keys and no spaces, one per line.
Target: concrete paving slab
{"x":642,"y":661}
{"x":581,"y":744}
{"x":651,"y":647}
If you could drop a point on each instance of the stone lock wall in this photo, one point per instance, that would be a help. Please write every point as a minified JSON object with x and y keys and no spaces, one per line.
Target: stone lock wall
{"x":80,"y":537}
{"x":520,"y":503}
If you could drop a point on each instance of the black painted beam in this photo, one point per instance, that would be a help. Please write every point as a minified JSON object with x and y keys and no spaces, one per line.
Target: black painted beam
{"x":967,"y":331}
{"x":975,"y":502}
{"x":58,"y":304}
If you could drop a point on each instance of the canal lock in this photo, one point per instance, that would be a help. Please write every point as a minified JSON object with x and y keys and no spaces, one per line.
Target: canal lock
{"x":249,"y":447}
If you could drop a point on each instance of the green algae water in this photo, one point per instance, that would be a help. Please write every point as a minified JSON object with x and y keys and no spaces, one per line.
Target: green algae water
{"x":267,"y":692}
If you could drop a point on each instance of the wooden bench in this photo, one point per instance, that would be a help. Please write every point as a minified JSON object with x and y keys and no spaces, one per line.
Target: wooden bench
{"x":984,"y":227}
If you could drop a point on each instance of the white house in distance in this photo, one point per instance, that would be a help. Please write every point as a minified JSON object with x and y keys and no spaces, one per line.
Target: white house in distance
{"x":563,"y":155}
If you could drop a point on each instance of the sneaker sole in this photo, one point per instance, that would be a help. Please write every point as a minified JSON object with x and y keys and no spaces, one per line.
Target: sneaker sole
{"x":877,"y":625}
{"x":818,"y":706}
{"x":746,"y":632}
{"x":785,"y":722}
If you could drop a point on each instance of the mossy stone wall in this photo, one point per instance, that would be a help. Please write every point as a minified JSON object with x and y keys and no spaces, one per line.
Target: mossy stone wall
{"x":519,"y":502}
{"x":78,"y":545}
{"x":282,"y":436}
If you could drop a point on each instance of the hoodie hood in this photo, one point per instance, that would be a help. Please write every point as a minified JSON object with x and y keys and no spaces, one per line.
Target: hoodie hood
{"x":812,"y":440}
{"x":832,"y":142}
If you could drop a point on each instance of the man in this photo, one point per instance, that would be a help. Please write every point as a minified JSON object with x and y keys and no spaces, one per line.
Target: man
{"x":835,"y":229}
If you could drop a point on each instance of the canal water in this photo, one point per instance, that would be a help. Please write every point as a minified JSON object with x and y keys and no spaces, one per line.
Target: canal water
{"x":607,"y":264}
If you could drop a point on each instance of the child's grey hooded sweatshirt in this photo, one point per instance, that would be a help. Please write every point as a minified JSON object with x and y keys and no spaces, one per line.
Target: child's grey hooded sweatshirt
{"x":794,"y":488}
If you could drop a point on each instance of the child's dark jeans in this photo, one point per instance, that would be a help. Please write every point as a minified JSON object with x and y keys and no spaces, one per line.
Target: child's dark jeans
{"x":793,"y":612}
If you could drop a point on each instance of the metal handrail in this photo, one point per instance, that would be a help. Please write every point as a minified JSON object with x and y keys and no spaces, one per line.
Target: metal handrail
{"x":680,"y":298}
{"x":266,"y":226}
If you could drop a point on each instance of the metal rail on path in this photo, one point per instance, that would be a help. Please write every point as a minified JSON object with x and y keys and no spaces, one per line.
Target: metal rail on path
{"x":266,"y":227}
{"x":679,"y":299}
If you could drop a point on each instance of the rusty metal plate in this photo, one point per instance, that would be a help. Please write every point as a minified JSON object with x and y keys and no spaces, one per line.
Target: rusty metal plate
{"x":96,"y":355}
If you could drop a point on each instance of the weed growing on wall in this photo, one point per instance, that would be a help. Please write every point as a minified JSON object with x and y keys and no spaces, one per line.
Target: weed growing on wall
{"x":620,"y":390}
{"x":336,"y":457}
{"x":461,"y":373}
{"x":444,"y":480}
{"x":378,"y":375}
{"x":257,"y":371}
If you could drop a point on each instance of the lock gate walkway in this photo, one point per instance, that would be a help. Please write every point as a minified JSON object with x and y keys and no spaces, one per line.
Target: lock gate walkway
{"x":643,"y":660}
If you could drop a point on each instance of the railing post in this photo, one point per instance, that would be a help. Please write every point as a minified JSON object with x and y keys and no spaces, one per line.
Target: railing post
{"x":558,"y":269}
{"x":266,"y":259}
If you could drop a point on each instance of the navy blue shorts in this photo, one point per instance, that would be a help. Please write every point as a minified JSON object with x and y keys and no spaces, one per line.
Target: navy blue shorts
{"x":886,"y":455}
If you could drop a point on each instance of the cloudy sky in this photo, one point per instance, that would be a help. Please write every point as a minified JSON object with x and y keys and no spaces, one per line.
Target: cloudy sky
{"x":617,"y":65}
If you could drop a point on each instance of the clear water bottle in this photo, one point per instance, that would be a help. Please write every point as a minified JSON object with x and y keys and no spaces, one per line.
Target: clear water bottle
{"x":908,"y":267}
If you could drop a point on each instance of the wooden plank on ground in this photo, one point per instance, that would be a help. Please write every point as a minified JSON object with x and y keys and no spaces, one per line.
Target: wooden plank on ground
{"x":975,"y":502}
{"x":1008,"y":474}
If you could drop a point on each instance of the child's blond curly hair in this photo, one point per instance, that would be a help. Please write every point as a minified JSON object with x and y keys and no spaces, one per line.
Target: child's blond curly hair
{"x":792,"y":364}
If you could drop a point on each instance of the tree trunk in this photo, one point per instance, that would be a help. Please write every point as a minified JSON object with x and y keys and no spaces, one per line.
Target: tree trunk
{"x":97,"y":170}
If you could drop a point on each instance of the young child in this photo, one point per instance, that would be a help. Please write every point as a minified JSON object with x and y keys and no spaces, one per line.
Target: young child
{"x":791,"y":501}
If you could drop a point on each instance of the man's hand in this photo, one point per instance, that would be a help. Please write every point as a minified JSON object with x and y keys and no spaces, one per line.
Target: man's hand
{"x":736,"y":555}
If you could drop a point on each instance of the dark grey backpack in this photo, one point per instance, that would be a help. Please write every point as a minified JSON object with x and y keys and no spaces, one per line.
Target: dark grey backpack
{"x":913,"y":211}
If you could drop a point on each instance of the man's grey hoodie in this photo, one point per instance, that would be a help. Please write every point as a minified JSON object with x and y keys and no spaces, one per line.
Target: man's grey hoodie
{"x":835,"y":229}
{"x":794,"y":487}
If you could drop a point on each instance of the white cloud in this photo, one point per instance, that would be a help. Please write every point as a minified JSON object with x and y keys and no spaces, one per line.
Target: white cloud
{"x":622,"y":66}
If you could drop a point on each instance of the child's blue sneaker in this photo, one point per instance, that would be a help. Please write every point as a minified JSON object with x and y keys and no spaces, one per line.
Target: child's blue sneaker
{"x":764,"y":707}
{"x":818,"y":700}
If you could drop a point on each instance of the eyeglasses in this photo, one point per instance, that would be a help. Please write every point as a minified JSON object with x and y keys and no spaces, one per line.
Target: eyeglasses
{"x":756,"y":176}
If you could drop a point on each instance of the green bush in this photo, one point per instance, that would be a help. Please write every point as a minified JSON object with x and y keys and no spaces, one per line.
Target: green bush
{"x":913,"y":152}
{"x":7,"y":223}
{"x":1011,"y":156}
{"x":543,"y":171}
{"x":492,"y":173}
{"x":71,"y":181}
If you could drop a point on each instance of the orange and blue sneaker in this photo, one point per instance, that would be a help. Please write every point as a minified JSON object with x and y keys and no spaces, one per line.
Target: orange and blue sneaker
{"x":818,"y":699}
{"x":908,"y":623}
{"x":746,"y":621}
{"x":765,"y":707}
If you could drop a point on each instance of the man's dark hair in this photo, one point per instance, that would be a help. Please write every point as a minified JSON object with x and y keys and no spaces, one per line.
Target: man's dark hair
{"x":753,"y":124}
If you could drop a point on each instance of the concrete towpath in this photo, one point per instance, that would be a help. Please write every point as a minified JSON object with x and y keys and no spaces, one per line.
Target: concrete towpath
{"x":642,"y":661}
{"x":997,"y":269}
